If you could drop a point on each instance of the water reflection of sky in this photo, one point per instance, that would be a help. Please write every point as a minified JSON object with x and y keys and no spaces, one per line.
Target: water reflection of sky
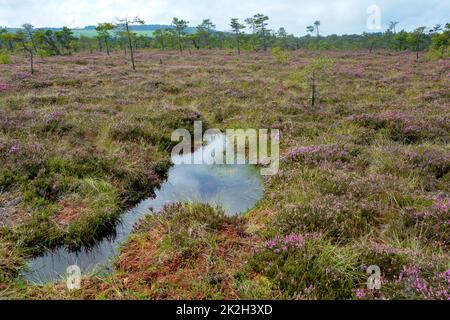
{"x":235,"y":188}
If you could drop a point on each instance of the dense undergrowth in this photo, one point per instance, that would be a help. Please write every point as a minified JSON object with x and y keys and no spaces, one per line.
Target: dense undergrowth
{"x":364,"y":177}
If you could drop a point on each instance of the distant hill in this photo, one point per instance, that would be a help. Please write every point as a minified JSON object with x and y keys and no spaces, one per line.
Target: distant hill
{"x":89,"y":31}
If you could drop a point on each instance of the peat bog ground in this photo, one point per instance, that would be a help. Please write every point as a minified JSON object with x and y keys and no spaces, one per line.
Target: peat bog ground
{"x":364,"y":176}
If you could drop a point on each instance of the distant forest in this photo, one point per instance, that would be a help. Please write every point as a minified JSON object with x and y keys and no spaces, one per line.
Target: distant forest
{"x":253,"y":34}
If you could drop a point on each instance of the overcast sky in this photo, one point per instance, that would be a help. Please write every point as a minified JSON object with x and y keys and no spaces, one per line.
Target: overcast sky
{"x":336,"y":16}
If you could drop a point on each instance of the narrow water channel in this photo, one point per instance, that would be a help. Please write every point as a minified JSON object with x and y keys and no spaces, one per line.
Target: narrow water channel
{"x":235,"y":188}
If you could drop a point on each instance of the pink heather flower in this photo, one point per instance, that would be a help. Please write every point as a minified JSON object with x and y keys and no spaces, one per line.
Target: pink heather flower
{"x":437,"y":287}
{"x":440,"y":208}
{"x":55,"y":115}
{"x":318,"y":153}
{"x":292,"y":241}
{"x":14,"y":149}
{"x":309,"y":290}
{"x":5,"y":87}
{"x":360,"y":294}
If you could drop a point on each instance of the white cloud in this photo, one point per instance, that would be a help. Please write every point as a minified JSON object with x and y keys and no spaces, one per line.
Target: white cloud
{"x":337,"y":16}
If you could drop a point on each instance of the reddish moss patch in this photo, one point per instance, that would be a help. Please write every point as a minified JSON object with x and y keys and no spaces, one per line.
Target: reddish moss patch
{"x":70,"y":212}
{"x":183,"y":274}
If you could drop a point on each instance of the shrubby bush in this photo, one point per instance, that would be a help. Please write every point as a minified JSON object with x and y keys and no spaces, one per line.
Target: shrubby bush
{"x":307,"y":266}
{"x":4,"y":58}
{"x":341,"y":217}
{"x":404,"y":127}
{"x":281,"y":57}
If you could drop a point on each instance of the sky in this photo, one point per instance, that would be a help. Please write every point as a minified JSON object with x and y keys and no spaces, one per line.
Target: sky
{"x":336,"y":16}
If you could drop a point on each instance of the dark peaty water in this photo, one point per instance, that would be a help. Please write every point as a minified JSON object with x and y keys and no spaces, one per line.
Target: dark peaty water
{"x":235,"y":188}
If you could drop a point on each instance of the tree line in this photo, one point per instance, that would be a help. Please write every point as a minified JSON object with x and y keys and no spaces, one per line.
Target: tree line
{"x":252,"y":34}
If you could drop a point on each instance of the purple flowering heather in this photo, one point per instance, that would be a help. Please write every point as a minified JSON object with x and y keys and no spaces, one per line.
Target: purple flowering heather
{"x":14,"y":149}
{"x":291,"y":241}
{"x":319,"y":153}
{"x":5,"y":87}
{"x":415,"y":284}
{"x":435,"y":221}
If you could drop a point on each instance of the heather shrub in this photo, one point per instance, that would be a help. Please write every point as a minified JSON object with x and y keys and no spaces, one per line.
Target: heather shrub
{"x":432,"y":160}
{"x":54,"y":123}
{"x":341,"y":217}
{"x":46,"y":188}
{"x":320,"y":153}
{"x":305,"y":266}
{"x":44,"y":100}
{"x":126,"y":131}
{"x":411,"y":283}
{"x":390,"y":259}
{"x":444,"y":183}
{"x":385,"y":190}
{"x":372,"y":186}
{"x":136,"y":185}
{"x":24,"y":159}
{"x":414,"y":284}
{"x":4,"y":87}
{"x":164,"y":87}
{"x":423,"y":160}
{"x":432,"y":223}
{"x":402,"y":127}
{"x":151,"y":129}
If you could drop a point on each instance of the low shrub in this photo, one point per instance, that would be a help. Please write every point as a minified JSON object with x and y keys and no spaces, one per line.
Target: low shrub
{"x":280,"y":56}
{"x":305,"y":266}
{"x":4,"y":58}
{"x":342,"y":217}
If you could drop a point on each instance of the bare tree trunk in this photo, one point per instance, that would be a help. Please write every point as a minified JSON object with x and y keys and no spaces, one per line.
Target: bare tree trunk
{"x":264,"y":40}
{"x":238,"y":45}
{"x":31,"y":61}
{"x":371,"y":47}
{"x":162,"y":43}
{"x":30,"y":52}
{"x":33,"y":43}
{"x":100,"y":46}
{"x":179,"y":43}
{"x":313,"y":95}
{"x":318,"y":38}
{"x":107,"y":47}
{"x":130,"y":45}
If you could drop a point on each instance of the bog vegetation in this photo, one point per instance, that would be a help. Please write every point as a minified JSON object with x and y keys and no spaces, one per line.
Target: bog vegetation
{"x":85,"y":126}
